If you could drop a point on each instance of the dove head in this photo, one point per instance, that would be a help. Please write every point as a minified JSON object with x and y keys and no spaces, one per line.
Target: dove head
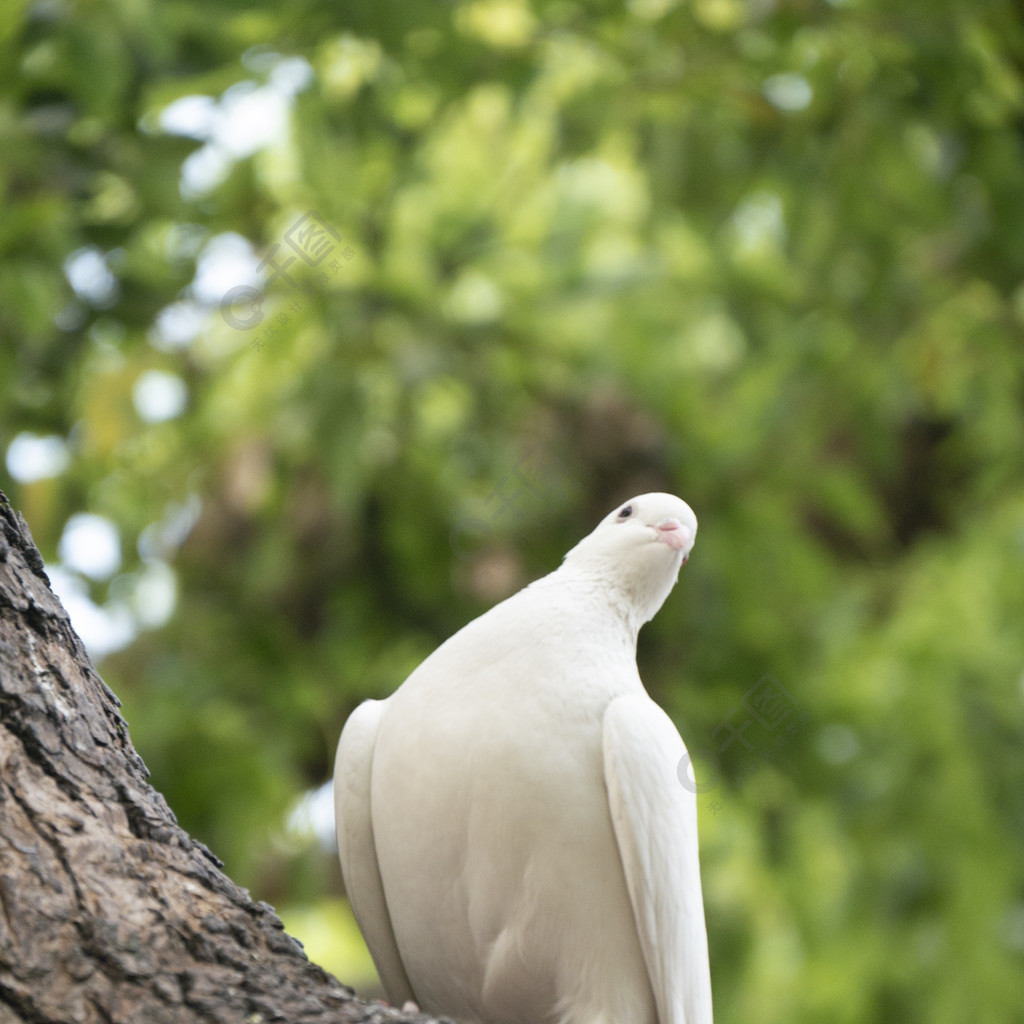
{"x":636,"y":552}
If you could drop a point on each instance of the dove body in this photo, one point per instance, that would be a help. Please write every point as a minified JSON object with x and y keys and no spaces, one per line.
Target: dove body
{"x":514,"y":840}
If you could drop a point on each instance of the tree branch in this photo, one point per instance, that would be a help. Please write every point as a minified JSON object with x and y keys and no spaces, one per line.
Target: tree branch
{"x":109,"y":911}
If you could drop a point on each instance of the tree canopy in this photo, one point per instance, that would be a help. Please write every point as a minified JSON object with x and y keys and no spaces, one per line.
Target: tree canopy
{"x":340,"y":322}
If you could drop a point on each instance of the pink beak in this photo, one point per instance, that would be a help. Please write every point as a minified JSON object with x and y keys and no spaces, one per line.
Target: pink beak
{"x":672,"y":533}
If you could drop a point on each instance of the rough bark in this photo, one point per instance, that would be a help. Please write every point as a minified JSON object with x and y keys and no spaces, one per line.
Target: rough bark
{"x":109,"y":911}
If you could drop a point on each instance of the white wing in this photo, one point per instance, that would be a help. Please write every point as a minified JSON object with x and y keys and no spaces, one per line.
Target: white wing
{"x":352,"y":771}
{"x":655,"y":821}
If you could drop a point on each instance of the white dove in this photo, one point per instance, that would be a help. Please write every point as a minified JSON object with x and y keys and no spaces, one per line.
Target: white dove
{"x":514,"y":839}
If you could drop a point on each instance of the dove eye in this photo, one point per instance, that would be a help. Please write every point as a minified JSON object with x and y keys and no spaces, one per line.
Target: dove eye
{"x":625,"y":513}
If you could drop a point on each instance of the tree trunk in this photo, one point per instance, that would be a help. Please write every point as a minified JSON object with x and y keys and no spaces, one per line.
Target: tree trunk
{"x":109,"y":912}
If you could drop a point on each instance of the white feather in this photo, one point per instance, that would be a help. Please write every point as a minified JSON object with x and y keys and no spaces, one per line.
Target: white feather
{"x":655,"y":820}
{"x":356,"y":848}
{"x":507,"y":843}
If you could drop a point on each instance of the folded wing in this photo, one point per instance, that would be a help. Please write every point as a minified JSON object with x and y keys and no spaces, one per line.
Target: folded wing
{"x":655,"y":822}
{"x":352,"y":772}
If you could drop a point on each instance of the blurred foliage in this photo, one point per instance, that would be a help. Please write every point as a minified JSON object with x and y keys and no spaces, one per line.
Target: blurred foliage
{"x":767,"y":254}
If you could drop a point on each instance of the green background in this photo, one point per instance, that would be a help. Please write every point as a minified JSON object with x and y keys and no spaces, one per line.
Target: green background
{"x":768,"y":255}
